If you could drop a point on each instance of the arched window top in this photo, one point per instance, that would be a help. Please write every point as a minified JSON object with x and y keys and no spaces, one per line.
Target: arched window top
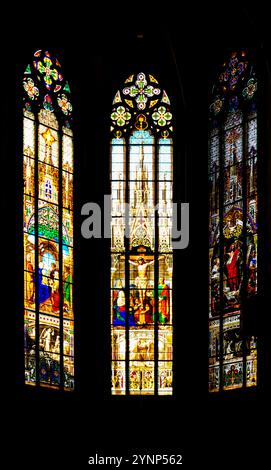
{"x":235,"y":87}
{"x":141,"y":104}
{"x":46,"y":89}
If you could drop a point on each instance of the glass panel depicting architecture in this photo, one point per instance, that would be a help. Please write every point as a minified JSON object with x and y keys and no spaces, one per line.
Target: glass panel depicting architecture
{"x":141,"y":242}
{"x":48,"y":225}
{"x":233,"y":224}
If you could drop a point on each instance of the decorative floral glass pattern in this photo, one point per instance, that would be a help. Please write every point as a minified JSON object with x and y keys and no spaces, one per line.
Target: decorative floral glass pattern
{"x":233,"y":70}
{"x":49,"y":69}
{"x":162,"y":116}
{"x":141,"y":91}
{"x":250,"y":89}
{"x":121,"y":116}
{"x":64,"y":104}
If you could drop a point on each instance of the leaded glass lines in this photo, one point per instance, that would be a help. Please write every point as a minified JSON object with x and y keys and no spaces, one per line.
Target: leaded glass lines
{"x":141,"y":269}
{"x":48,"y":227}
{"x":233,"y":239}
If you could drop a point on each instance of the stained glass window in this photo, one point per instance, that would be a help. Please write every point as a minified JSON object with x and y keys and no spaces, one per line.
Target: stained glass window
{"x":141,"y":243}
{"x":233,"y":222}
{"x":48,"y":225}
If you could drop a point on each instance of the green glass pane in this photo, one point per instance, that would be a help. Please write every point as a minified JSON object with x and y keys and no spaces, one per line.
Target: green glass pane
{"x":67,"y":87}
{"x":28,"y":69}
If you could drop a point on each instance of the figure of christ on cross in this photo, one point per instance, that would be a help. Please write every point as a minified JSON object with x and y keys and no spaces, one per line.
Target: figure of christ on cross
{"x":141,"y":281}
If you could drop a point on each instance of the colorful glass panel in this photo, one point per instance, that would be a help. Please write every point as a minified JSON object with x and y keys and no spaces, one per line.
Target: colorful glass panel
{"x":141,"y":268}
{"x":48,"y":225}
{"x":233,"y":222}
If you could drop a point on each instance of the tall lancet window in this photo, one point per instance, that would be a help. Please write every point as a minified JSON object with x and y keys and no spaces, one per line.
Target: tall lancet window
{"x":141,"y":269}
{"x":48,"y":225}
{"x":233,"y":225}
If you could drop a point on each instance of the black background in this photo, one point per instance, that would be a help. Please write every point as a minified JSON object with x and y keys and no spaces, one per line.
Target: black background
{"x":98,"y":50}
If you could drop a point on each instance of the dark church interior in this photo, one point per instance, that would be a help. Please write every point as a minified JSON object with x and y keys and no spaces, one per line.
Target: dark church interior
{"x":184,"y":49}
